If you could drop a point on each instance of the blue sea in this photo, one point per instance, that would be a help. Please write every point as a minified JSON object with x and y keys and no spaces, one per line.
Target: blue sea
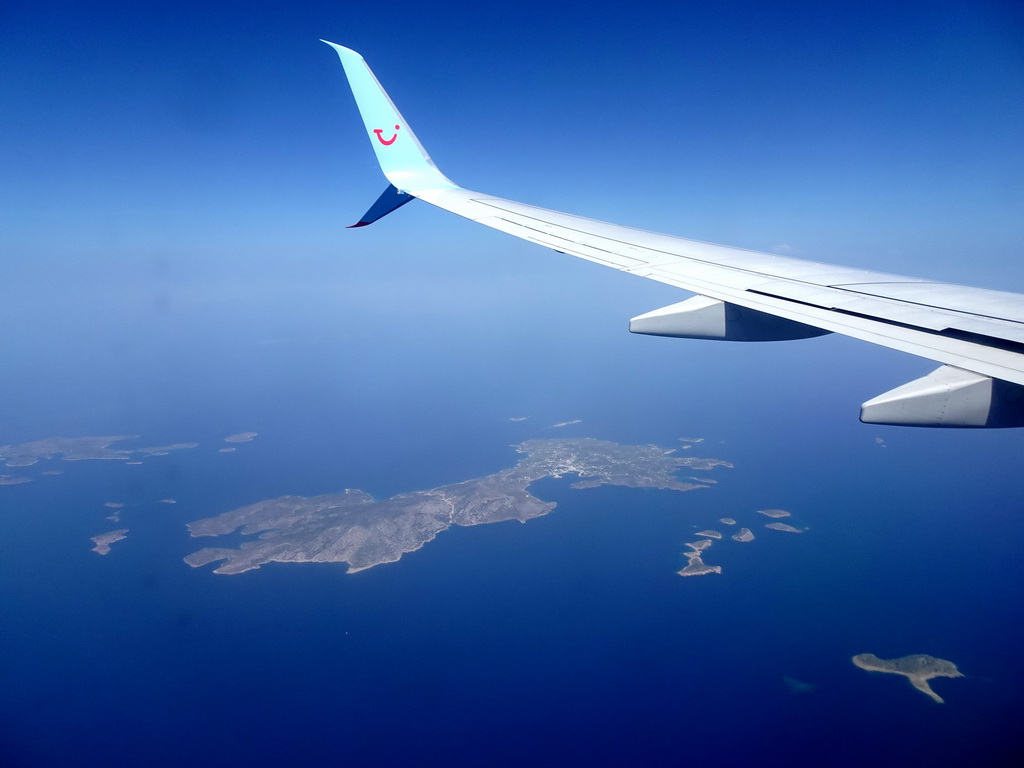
{"x":569,"y":640}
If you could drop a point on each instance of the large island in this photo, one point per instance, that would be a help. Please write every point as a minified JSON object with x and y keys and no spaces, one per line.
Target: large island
{"x":919,"y":669}
{"x":69,"y":448}
{"x":354,"y":528}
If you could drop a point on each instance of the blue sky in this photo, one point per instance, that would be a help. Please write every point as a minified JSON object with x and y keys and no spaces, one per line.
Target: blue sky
{"x":199,"y":161}
{"x":886,"y":134}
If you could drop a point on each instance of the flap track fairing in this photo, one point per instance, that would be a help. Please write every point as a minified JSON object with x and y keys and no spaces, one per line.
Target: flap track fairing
{"x":949,"y":397}
{"x":702,"y":317}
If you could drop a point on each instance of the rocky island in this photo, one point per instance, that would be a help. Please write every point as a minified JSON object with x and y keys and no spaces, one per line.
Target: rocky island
{"x":782,"y":527}
{"x":69,"y":448}
{"x":695,"y":565}
{"x":919,"y":669}
{"x":104,"y":540}
{"x":354,"y":528}
{"x":743,"y":534}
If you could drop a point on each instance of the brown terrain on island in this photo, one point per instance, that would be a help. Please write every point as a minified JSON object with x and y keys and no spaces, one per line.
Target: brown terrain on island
{"x":69,"y":448}
{"x":354,"y":528}
{"x":104,"y":540}
{"x":782,"y":527}
{"x":695,"y":565}
{"x":743,"y":534}
{"x":919,"y":669}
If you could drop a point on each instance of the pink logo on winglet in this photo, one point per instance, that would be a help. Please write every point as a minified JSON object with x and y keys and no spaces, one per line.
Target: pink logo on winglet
{"x":382,"y":140}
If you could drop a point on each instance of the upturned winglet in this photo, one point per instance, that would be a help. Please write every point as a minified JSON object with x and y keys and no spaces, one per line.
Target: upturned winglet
{"x":401,"y":156}
{"x":391,"y":200}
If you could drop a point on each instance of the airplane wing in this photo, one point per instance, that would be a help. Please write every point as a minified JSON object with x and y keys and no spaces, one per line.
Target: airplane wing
{"x":976,"y":334}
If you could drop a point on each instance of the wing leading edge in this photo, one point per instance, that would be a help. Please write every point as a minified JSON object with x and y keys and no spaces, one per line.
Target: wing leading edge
{"x":976,"y":334}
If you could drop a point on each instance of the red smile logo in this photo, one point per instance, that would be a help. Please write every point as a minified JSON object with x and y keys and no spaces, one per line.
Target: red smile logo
{"x":382,"y":140}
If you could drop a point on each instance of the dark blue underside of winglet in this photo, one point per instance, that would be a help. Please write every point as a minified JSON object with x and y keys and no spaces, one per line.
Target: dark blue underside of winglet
{"x":391,"y":200}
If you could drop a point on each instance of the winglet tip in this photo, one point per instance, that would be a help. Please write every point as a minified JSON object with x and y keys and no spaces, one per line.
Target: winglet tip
{"x":340,"y":48}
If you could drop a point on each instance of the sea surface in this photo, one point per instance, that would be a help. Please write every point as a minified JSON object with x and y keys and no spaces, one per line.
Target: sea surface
{"x":565,"y":641}
{"x":569,"y":640}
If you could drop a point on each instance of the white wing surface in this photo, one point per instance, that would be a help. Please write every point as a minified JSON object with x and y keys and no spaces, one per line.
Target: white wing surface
{"x":977,"y":335}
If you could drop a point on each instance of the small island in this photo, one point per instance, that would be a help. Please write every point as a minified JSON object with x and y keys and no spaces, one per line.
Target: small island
{"x":241,"y":437}
{"x":727,"y":521}
{"x":163,"y":450}
{"x":104,"y":540}
{"x":773,"y":512}
{"x":710,"y":534}
{"x":782,"y":527}
{"x":13,"y":480}
{"x":743,"y":534}
{"x":695,"y":565}
{"x":919,"y":669}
